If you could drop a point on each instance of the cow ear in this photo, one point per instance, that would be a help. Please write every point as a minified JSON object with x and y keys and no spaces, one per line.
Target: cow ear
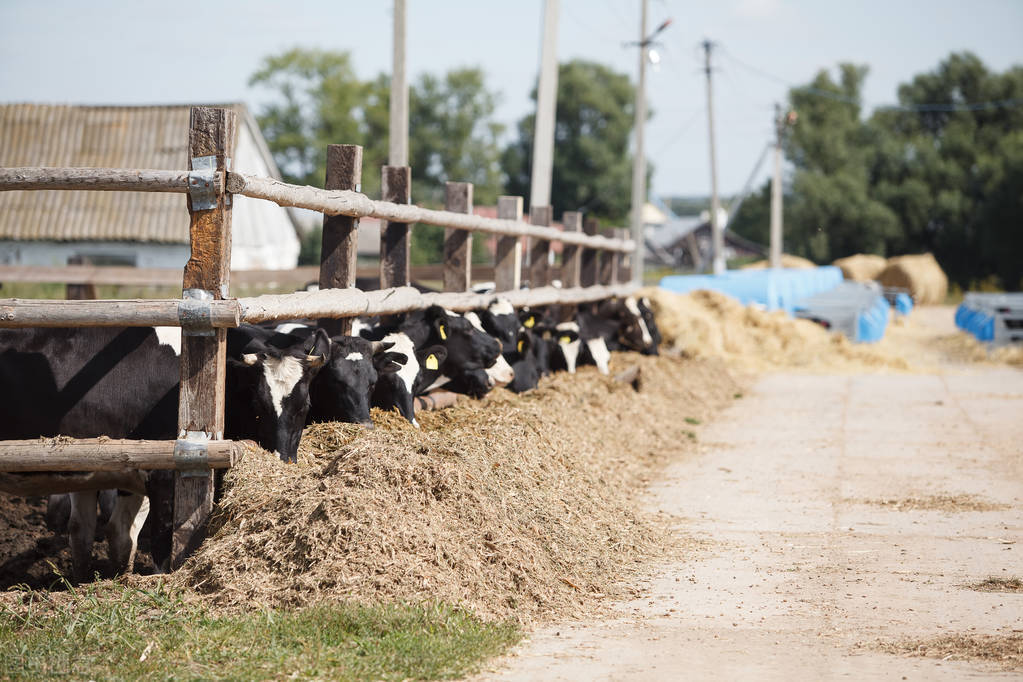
{"x":440,"y":324}
{"x":439,"y":353}
{"x":380,"y":346}
{"x":524,"y":344}
{"x":566,"y":336}
{"x":319,"y":349}
{"x":389,"y":362}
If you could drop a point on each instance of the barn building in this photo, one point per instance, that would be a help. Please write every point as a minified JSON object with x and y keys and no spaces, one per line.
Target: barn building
{"x":141,"y":229}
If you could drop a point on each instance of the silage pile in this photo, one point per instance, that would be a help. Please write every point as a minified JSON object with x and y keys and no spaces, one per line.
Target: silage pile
{"x":920,"y":275}
{"x":514,"y":506}
{"x":861,"y":267}
{"x":710,"y":324}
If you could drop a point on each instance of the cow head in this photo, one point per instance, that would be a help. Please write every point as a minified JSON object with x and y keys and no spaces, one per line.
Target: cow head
{"x":397,"y":367}
{"x":633,"y":332}
{"x":500,"y":321}
{"x":342,"y":389}
{"x":526,"y":359}
{"x":268,"y":385}
{"x":564,"y":346}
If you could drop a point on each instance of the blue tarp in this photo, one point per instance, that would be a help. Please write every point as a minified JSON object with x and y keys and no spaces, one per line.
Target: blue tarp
{"x":774,"y":289}
{"x":977,"y":322}
{"x":903,"y":304}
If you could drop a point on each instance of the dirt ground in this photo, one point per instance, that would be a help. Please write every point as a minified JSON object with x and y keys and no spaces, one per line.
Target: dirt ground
{"x":845,"y":520}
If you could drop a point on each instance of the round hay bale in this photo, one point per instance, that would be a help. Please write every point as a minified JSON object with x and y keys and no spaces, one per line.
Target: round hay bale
{"x":787,"y":261}
{"x":861,"y":267}
{"x":920,"y":274}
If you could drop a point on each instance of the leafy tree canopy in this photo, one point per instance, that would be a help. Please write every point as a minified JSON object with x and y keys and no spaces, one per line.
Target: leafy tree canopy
{"x":942,"y":171}
{"x":592,"y":162}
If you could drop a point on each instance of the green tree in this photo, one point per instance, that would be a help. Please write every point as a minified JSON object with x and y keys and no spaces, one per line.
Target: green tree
{"x":592,"y":163}
{"x":319,"y":100}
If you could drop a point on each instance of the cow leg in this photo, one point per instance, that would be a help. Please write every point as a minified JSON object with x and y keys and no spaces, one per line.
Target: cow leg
{"x":58,"y":511}
{"x":160,"y":491}
{"x":130,"y":512}
{"x":82,"y":531}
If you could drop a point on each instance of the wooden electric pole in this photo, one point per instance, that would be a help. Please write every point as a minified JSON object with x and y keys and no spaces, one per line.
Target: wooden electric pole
{"x":717,"y":237}
{"x":398,"y":143}
{"x":776,"y":247}
{"x":546,"y":110}
{"x":639,"y":160}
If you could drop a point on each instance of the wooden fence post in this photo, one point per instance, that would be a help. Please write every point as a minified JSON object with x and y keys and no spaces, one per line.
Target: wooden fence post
{"x":339,"y":250}
{"x":540,"y":249}
{"x":396,"y":187}
{"x":608,"y":267}
{"x":571,"y":254}
{"x":80,"y":292}
{"x":211,"y":140}
{"x":508,"y":258}
{"x":588,"y":261}
{"x":457,"y":243}
{"x":623,"y":260}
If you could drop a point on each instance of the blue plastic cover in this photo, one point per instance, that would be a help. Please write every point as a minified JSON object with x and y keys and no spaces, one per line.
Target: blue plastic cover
{"x":903,"y":304}
{"x":777,"y":289}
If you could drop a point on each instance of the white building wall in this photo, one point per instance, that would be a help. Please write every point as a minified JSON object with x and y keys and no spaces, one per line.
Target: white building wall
{"x":111,"y":253}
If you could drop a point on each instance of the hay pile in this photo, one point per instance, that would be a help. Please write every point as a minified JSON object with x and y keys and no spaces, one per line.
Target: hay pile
{"x":711,"y":324}
{"x":861,"y":267}
{"x":787,"y":261}
{"x":514,"y":506}
{"x":921,"y":275}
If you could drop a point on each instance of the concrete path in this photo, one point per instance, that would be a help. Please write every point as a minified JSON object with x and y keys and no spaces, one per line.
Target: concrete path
{"x":837,"y":511}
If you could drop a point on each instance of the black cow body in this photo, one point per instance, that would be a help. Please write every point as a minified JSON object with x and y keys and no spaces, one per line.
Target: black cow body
{"x":124,"y":383}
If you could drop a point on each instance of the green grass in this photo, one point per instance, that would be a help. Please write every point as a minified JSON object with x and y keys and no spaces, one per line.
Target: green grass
{"x":692,"y":420}
{"x":102,"y":632}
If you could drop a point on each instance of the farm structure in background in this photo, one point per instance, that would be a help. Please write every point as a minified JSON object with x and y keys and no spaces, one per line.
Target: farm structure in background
{"x":137,"y":229}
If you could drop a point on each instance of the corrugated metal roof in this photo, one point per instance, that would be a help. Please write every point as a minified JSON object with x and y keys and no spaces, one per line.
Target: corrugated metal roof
{"x":100,"y":137}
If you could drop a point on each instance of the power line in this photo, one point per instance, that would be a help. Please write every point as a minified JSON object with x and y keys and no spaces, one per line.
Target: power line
{"x":948,"y":107}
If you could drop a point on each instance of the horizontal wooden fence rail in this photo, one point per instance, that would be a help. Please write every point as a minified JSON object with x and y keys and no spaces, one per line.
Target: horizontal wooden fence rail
{"x":102,"y":179}
{"x":356,"y":205}
{"x":119,"y":275}
{"x":326,"y":303}
{"x":329,"y":202}
{"x":108,"y":454}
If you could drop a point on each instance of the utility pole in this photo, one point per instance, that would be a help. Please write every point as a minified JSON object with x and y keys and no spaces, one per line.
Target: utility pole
{"x":639,"y":160}
{"x":776,"y":248}
{"x":717,"y":238}
{"x":398,"y":141}
{"x":546,"y":110}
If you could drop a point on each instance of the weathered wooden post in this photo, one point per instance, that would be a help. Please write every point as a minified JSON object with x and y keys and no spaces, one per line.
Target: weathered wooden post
{"x":211,"y":139}
{"x":540,"y":249}
{"x":80,"y":291}
{"x":608,"y":267}
{"x":622,"y":259}
{"x":571,"y":254}
{"x":457,"y":243}
{"x":588,"y":261}
{"x":339,"y":250}
{"x":395,"y":242}
{"x":508,"y":258}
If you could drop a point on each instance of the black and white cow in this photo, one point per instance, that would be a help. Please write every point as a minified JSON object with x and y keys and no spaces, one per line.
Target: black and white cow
{"x":124,"y":383}
{"x":398,"y":389}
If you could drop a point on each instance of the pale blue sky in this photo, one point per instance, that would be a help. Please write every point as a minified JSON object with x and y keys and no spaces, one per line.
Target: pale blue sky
{"x":110,"y":51}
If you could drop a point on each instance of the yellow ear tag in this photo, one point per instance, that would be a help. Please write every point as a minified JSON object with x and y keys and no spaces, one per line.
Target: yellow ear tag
{"x":565,"y":339}
{"x":530,"y":321}
{"x":520,"y":345}
{"x":431,"y":361}
{"x":443,"y":334}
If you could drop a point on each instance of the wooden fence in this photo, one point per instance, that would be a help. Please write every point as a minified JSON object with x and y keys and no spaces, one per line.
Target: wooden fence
{"x":592,"y":268}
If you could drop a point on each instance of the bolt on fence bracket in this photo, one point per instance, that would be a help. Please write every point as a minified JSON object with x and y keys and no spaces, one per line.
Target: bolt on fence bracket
{"x":194,"y":312}
{"x":191,"y":454}
{"x":201,"y":181}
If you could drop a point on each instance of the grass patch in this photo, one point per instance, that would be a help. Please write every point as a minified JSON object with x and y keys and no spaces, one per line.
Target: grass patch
{"x":944,"y":503}
{"x":692,"y":420}
{"x":112,"y":631}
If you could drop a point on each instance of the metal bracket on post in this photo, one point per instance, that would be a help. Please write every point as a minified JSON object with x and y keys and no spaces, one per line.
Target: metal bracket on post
{"x":191,"y":454}
{"x":194,"y":313}
{"x":201,"y":183}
